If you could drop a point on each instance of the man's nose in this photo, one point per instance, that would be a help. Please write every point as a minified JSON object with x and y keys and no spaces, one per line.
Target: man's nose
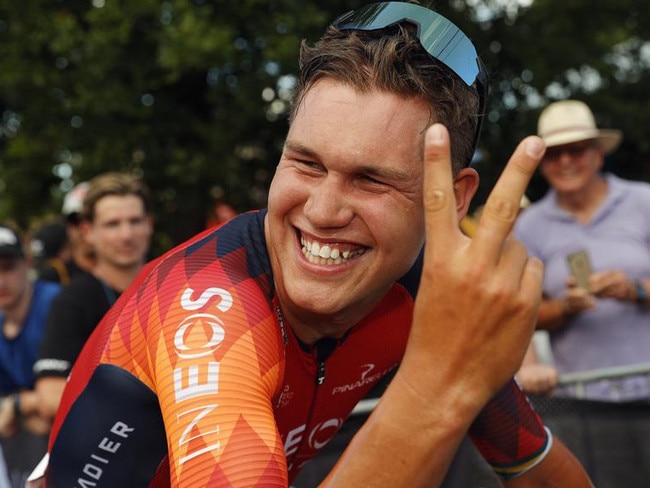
{"x":329,"y":204}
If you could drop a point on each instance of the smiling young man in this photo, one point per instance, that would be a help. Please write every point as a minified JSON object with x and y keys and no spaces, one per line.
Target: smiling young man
{"x":238,"y":355}
{"x":116,"y":224}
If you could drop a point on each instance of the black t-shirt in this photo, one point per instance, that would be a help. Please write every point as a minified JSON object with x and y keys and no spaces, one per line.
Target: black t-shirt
{"x":58,"y":271}
{"x":74,"y":314}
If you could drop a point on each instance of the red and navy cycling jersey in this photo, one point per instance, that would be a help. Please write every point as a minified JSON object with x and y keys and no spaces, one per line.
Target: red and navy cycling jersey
{"x":193,"y":378}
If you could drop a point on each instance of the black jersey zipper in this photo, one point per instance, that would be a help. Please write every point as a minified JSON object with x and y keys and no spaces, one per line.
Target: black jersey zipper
{"x":322,"y":349}
{"x":320,"y":375}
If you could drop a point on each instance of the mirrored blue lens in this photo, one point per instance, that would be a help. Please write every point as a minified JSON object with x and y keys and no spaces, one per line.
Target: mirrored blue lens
{"x":438,"y":36}
{"x":442,"y":39}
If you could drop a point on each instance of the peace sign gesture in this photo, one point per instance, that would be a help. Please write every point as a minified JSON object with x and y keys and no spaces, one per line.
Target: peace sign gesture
{"x":478,"y":298}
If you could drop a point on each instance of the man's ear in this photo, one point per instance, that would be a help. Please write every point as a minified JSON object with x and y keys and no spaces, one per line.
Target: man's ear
{"x":85,"y":231}
{"x":465,"y":186}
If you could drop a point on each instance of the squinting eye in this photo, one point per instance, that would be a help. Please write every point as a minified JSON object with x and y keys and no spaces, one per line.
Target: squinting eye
{"x":311,"y":165}
{"x":370,"y":179}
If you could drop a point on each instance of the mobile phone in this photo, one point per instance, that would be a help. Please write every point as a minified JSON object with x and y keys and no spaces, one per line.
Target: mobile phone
{"x":580,"y":267}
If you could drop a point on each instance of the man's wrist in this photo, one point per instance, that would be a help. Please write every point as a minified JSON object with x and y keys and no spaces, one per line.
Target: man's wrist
{"x":566,"y":308}
{"x":640,"y":292}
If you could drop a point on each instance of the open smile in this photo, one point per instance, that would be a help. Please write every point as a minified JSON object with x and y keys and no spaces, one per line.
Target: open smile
{"x":330,"y":253}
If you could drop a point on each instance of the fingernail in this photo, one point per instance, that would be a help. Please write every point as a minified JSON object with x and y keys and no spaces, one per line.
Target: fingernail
{"x":534,"y":147}
{"x":436,"y":134}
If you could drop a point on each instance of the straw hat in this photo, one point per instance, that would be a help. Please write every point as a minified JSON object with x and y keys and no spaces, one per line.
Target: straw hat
{"x":572,"y":121}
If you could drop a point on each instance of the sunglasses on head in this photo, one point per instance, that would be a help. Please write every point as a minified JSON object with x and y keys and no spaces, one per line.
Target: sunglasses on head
{"x":437,"y":35}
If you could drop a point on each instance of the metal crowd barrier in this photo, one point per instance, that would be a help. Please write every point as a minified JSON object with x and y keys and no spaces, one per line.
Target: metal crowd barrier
{"x":611,"y":440}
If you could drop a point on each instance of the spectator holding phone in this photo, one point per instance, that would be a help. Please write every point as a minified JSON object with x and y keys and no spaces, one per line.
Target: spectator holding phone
{"x":607,"y":324}
{"x":594,"y":221}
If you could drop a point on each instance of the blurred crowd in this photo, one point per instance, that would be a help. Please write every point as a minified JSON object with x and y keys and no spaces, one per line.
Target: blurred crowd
{"x":57,"y":279}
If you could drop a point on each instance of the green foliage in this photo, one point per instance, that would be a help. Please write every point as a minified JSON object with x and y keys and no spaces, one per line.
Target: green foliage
{"x":185,"y":92}
{"x":171,"y":90}
{"x":556,"y":49}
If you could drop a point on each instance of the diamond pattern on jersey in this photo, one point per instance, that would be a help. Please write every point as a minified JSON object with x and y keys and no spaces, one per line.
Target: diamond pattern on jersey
{"x":509,"y":434}
{"x":205,"y":340}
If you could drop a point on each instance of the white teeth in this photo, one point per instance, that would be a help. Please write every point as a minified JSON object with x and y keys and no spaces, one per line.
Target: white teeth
{"x":315,"y":249}
{"x":326,"y":254}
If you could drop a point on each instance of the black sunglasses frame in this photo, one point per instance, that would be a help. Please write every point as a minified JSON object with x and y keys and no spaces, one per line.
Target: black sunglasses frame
{"x":439,"y":37}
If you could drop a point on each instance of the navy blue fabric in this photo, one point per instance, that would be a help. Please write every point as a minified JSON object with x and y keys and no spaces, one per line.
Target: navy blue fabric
{"x":134,"y":430}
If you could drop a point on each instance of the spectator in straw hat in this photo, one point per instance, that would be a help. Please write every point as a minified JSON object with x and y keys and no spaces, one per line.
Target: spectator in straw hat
{"x":605,"y":321}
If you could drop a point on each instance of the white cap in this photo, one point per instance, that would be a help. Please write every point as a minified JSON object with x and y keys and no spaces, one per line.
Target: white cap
{"x":74,"y":199}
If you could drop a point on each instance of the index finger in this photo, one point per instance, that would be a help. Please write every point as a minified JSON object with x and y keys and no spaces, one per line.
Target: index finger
{"x":503,"y":204}
{"x":438,"y":197}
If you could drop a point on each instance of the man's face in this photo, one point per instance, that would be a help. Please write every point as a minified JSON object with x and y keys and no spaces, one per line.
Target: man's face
{"x":120,"y":232}
{"x":572,"y":167}
{"x":14,"y":276}
{"x":345,"y":213}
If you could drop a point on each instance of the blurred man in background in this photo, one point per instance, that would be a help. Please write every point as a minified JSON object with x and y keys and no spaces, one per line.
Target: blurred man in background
{"x":24,"y":305}
{"x":116,"y":224}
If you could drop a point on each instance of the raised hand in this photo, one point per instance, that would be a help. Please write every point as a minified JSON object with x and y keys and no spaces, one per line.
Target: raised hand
{"x":478,"y":298}
{"x":473,"y":320}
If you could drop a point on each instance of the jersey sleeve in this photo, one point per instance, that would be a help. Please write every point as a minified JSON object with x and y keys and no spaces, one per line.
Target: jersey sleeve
{"x":509,"y":433}
{"x":214,"y":358}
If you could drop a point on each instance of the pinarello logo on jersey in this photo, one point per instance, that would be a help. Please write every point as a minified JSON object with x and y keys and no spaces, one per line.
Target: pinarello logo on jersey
{"x":285,"y":397}
{"x":368,"y":377}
